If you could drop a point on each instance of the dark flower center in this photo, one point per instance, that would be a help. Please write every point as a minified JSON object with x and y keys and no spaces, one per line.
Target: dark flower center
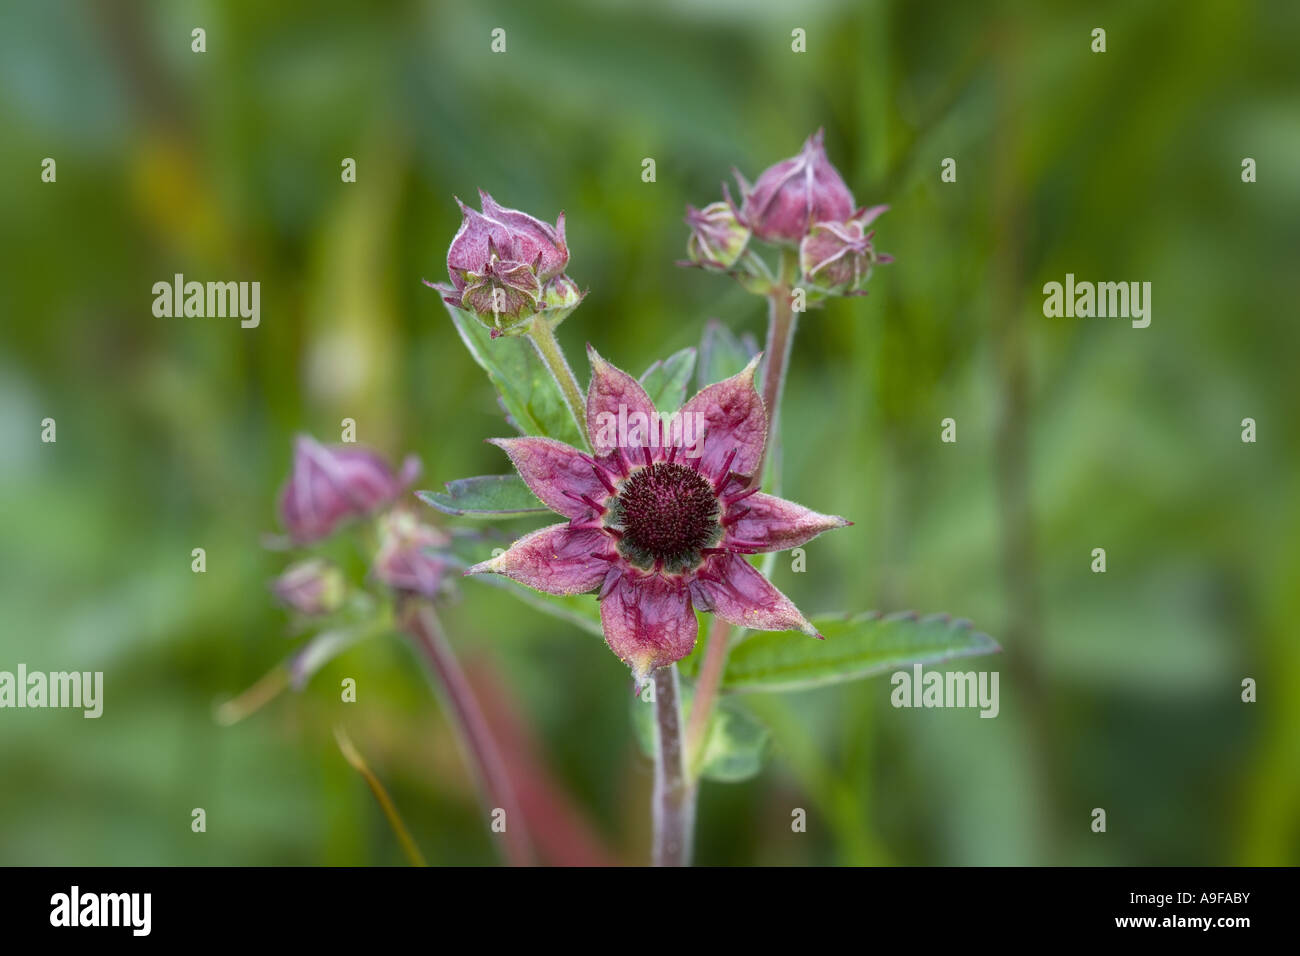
{"x":667,"y":513}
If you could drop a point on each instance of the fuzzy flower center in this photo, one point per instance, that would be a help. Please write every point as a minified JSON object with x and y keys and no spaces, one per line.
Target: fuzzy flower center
{"x":667,"y":513}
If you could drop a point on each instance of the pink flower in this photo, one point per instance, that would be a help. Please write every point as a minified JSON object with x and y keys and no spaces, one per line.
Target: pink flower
{"x":504,"y":265}
{"x":330,"y":485}
{"x":312,"y":587}
{"x":790,"y":197}
{"x":659,"y":523}
{"x":837,"y":256}
{"x":408,"y":559}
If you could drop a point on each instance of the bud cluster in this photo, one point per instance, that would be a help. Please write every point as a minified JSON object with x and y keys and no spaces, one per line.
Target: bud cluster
{"x":800,"y":203}
{"x":329,"y":487}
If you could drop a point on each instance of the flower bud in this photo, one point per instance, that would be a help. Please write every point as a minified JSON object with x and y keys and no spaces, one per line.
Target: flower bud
{"x":836,"y":257}
{"x":330,"y":485}
{"x":791,"y":196}
{"x":407,"y":560}
{"x":312,"y":587}
{"x":717,"y":236}
{"x":500,"y":264}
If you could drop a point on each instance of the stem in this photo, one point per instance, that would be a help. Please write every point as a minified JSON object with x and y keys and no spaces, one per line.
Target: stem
{"x":782,"y":322}
{"x":673,"y":801}
{"x":477,"y":743}
{"x":706,"y":690}
{"x":552,"y":356}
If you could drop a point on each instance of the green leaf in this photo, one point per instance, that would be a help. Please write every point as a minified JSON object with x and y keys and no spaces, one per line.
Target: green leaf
{"x":487,"y":496}
{"x":529,"y":395}
{"x":665,"y":381}
{"x":736,"y":743}
{"x":722,"y":355}
{"x":855,"y":647}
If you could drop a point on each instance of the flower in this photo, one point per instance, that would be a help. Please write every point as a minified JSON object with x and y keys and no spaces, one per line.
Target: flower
{"x":407,"y":560}
{"x":837,"y":256}
{"x":790,"y":197}
{"x":313,"y":587}
{"x":505,"y":266}
{"x":717,"y":237}
{"x":657,"y":524}
{"x":330,"y":485}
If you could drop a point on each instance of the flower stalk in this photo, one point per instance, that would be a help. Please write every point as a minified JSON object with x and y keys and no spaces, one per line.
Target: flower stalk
{"x":542,"y":334}
{"x":479,"y":746}
{"x":673,"y":798}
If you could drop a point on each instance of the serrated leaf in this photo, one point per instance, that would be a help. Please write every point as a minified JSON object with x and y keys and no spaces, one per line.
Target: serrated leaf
{"x":736,"y":743}
{"x":854,"y":647}
{"x":487,"y":496}
{"x":665,"y":381}
{"x":722,"y":355}
{"x":530,"y":397}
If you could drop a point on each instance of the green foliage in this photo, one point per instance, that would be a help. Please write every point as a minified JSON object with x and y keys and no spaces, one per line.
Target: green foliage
{"x":530,"y":397}
{"x":487,"y":496}
{"x":735,"y":744}
{"x":666,"y":380}
{"x":854,"y":647}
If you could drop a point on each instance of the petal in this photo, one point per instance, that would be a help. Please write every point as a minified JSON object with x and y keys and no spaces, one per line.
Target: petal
{"x":557,"y":473}
{"x":648,"y":621}
{"x":774,"y":524}
{"x":557,"y":559}
{"x":731,"y":418}
{"x":731,"y":588}
{"x":619,"y":412}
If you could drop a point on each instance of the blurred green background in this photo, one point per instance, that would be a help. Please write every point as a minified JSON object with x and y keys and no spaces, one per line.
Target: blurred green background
{"x":1119,"y":690}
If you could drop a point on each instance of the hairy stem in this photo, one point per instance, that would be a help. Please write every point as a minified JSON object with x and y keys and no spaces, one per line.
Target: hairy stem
{"x":673,"y":800}
{"x":706,"y":692}
{"x":782,"y":322}
{"x":548,"y":348}
{"x":477,"y":742}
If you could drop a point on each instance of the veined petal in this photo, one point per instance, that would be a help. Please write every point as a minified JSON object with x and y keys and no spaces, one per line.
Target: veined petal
{"x":730,"y":416}
{"x":648,"y":621}
{"x":731,"y":588}
{"x":619,"y":412}
{"x":558,"y":474}
{"x":557,"y":559}
{"x":774,"y":524}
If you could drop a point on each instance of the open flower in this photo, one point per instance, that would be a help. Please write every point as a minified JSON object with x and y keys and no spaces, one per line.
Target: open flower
{"x":790,"y":197}
{"x":660,"y":518}
{"x":331,"y":484}
{"x":505,"y":266}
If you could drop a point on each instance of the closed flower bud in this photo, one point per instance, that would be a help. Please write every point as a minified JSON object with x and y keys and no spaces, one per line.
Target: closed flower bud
{"x":717,"y":237}
{"x":408,"y":560}
{"x":791,"y":196}
{"x":836,"y":257}
{"x":502,"y":263}
{"x":312,"y":587}
{"x":329,"y":485}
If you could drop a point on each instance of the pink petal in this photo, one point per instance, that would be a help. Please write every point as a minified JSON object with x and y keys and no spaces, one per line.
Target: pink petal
{"x":619,"y":412}
{"x":648,"y":621}
{"x":557,"y":559}
{"x":731,"y":417}
{"x":731,"y":588}
{"x":561,"y":476}
{"x":774,"y":524}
